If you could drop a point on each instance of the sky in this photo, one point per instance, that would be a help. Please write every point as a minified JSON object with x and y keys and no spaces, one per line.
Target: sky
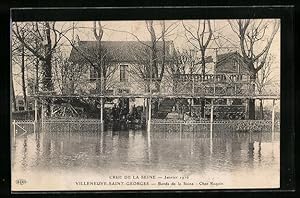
{"x":116,"y":31}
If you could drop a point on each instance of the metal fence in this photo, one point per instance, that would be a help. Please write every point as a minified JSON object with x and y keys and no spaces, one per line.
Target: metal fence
{"x":217,"y":125}
{"x":71,"y":125}
{"x":22,"y":127}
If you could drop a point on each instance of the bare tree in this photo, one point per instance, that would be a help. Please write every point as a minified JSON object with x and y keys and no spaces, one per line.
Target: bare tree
{"x":23,"y":58}
{"x":13,"y":95}
{"x":41,"y":39}
{"x":151,"y":56}
{"x":96,"y":56}
{"x":69,"y":76}
{"x":263,"y":80}
{"x":199,"y":37}
{"x":187,"y":62}
{"x":18,"y":53}
{"x":255,"y":45}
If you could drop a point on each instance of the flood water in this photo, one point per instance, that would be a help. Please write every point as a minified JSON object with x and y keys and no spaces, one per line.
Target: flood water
{"x":59,"y":161}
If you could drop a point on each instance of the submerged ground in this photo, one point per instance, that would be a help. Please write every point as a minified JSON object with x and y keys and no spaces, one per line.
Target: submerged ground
{"x":137,"y":160}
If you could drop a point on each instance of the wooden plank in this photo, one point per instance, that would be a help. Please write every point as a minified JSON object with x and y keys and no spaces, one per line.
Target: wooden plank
{"x":273,"y":120}
{"x":264,"y":97}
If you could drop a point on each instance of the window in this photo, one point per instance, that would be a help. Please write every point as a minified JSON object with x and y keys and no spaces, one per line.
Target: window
{"x":21,"y":102}
{"x":122,"y":91}
{"x":93,"y":74}
{"x":236,"y":66}
{"x":123,"y":75}
{"x":239,"y":68}
{"x":21,"y":108}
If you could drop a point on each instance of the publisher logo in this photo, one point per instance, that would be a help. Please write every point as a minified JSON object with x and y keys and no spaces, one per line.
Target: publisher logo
{"x":21,"y":181}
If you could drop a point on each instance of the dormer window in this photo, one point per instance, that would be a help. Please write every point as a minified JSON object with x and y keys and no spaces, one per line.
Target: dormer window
{"x":236,"y":66}
{"x":123,"y":73}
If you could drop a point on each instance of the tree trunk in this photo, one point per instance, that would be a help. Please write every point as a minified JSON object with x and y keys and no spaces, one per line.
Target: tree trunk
{"x":47,"y":66}
{"x":47,"y":77}
{"x":190,"y":107}
{"x":202,"y":101}
{"x":203,"y":62}
{"x":23,"y":78}
{"x":36,"y":87}
{"x":261,"y":110}
{"x":47,"y":81}
{"x":101,"y":81}
{"x":13,"y":95}
{"x":252,"y":101}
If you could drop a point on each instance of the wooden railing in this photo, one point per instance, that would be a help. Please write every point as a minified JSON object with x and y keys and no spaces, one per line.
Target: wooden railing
{"x":178,"y":85}
{"x":222,"y":77}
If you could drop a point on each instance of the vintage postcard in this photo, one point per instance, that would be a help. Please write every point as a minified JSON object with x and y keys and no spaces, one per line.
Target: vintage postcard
{"x":145,"y":105}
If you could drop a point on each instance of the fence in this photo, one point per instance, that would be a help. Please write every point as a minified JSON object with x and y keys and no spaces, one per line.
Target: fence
{"x":71,"y":125}
{"x":93,"y":125}
{"x":22,"y":127}
{"x":218,"y":126}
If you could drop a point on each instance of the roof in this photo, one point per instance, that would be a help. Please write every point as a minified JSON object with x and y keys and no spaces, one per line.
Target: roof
{"x":117,"y":51}
{"x":222,"y":60}
{"x":222,"y":57}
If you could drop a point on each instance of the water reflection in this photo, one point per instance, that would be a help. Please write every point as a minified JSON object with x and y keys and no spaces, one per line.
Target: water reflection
{"x":25,"y":153}
{"x":139,"y":150}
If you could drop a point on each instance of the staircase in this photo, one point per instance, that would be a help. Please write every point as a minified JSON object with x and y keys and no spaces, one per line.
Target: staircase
{"x":165,"y":107}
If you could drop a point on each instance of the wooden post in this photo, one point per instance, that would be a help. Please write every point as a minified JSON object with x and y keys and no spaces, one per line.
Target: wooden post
{"x":101,"y":114}
{"x":214,"y":86}
{"x":215,"y":72}
{"x":246,"y":110}
{"x":149,"y":115}
{"x":42,"y":116}
{"x":35,"y":110}
{"x":190,"y":106}
{"x":148,"y":128}
{"x":211,"y":125}
{"x":14,"y":128}
{"x":146,"y":110}
{"x":273,"y":120}
{"x":35,"y":115}
{"x":211,"y":116}
{"x":34,"y":127}
{"x":101,"y":110}
{"x":180,"y":131}
{"x":234,"y":88}
{"x":193,"y":85}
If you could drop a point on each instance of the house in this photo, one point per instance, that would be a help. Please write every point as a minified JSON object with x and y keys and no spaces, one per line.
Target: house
{"x":232,"y":63}
{"x":227,"y":75}
{"x":228,"y":68}
{"x":124,"y":65}
{"x":20,"y":103}
{"x":21,"y":112}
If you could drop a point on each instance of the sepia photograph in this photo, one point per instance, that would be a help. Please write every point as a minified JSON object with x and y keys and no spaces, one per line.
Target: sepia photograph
{"x":108,"y":105}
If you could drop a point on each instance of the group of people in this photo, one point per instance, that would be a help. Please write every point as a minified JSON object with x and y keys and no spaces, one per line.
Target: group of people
{"x":122,"y":113}
{"x":119,"y":112}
